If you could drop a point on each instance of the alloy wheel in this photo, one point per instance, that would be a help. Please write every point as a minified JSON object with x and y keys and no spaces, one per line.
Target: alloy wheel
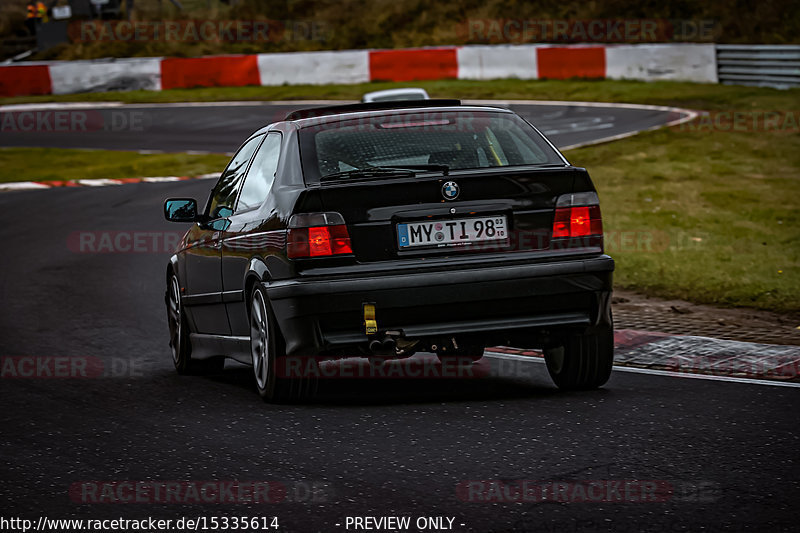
{"x":259,"y":340}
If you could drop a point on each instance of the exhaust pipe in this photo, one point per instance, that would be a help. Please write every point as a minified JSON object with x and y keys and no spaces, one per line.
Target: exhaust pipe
{"x":387,"y":344}
{"x":375,"y":345}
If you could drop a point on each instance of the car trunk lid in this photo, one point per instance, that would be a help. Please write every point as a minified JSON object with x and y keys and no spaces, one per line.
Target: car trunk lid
{"x":517,"y":203}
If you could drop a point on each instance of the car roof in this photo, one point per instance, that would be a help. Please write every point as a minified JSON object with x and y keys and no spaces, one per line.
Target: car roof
{"x":320,"y":115}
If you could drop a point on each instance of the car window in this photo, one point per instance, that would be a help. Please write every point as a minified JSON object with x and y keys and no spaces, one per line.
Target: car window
{"x":261,"y":175}
{"x":461,"y":140}
{"x":225,"y":191}
{"x":517,"y":149}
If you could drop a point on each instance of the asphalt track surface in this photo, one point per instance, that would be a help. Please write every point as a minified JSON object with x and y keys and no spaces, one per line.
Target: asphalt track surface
{"x":376,"y":447}
{"x":221,"y":128}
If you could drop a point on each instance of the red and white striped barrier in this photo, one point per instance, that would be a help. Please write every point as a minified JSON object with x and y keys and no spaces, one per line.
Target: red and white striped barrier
{"x":295,"y":68}
{"x":646,"y":62}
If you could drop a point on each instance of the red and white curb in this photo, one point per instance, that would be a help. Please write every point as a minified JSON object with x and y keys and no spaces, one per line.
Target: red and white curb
{"x":31,"y":185}
{"x":693,"y":356}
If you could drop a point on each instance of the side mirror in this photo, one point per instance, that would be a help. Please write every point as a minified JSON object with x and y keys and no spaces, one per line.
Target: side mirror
{"x":180,"y":210}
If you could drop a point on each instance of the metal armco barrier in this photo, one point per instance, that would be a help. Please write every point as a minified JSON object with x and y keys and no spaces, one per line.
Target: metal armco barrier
{"x":762,"y":65}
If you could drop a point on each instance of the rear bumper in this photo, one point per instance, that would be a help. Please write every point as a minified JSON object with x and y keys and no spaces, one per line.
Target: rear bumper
{"x":317,"y":315}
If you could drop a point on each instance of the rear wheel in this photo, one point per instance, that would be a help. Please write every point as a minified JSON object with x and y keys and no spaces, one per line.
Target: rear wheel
{"x":583,"y":361}
{"x":268,"y":352}
{"x":179,"y":341}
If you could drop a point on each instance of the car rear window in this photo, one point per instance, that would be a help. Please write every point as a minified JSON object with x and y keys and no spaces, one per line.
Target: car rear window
{"x":459,"y":139}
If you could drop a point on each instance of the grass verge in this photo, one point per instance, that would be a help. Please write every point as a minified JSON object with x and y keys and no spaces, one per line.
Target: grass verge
{"x":705,"y":216}
{"x":49,"y":164}
{"x":691,"y":95}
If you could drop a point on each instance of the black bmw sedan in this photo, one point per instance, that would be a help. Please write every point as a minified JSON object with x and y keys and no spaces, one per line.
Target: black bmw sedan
{"x":383,"y":229}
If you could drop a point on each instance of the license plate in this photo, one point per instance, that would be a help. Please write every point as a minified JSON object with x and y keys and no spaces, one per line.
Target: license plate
{"x":458,"y":232}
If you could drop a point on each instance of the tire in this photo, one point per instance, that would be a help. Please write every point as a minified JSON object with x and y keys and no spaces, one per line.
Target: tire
{"x":583,"y":361}
{"x":268,"y":354}
{"x":179,"y":341}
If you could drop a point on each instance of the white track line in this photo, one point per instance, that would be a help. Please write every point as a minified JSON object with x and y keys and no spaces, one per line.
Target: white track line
{"x":687,"y":115}
{"x":575,"y":103}
{"x":667,"y":373}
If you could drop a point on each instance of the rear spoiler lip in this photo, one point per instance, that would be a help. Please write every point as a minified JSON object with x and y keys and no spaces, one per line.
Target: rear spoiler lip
{"x":314,"y":112}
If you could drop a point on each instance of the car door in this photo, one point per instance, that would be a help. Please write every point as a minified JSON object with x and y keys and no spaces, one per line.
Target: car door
{"x":246,"y":235}
{"x":203,"y":277}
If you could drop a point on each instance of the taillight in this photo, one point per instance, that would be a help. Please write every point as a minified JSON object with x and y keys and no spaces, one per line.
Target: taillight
{"x":577,"y":222}
{"x":577,"y":215}
{"x":317,"y":235}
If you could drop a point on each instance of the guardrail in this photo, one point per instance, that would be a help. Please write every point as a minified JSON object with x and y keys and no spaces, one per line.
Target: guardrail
{"x":762,"y":65}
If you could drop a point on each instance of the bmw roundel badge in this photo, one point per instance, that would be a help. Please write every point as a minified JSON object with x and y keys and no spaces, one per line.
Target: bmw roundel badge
{"x":450,"y":190}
